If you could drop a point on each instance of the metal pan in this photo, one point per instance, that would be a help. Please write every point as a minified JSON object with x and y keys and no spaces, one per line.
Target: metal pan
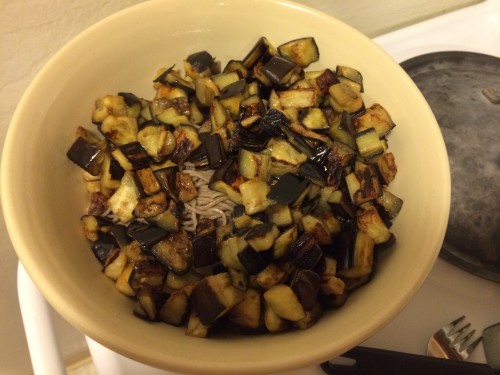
{"x":453,"y":82}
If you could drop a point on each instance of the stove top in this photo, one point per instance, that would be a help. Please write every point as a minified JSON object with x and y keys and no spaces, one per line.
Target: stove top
{"x":448,"y":291}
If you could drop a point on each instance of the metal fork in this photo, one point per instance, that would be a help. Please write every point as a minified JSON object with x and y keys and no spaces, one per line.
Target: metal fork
{"x":449,"y":342}
{"x":452,"y":342}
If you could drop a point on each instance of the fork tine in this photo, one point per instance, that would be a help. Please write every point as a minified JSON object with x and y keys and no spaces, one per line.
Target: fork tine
{"x":450,"y":326}
{"x":455,"y":335}
{"x":470,"y":348}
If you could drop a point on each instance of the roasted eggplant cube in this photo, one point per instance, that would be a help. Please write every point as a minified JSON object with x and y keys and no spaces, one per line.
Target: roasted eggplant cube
{"x":86,"y":155}
{"x":187,"y":140}
{"x":227,"y":179}
{"x":387,"y":167}
{"x":370,"y":222}
{"x":247,"y":313}
{"x":375,"y":117}
{"x":288,"y":188}
{"x":322,"y":80}
{"x":216,"y":154}
{"x":351,"y":74}
{"x":175,"y":308}
{"x":146,"y":235}
{"x":344,"y":97}
{"x":390,"y":203}
{"x":361,"y":257}
{"x":254,"y":165}
{"x":175,"y":251}
{"x":204,"y":250}
{"x":213,"y":296}
{"x":284,"y":302}
{"x":305,"y":252}
{"x":253,"y":261}
{"x":135,"y":154}
{"x":122,"y":203}
{"x":103,"y":246}
{"x":279,"y":214}
{"x":305,"y":284}
{"x":368,"y":143}
{"x":262,"y":51}
{"x":303,"y":51}
{"x":147,"y":274}
{"x":279,"y":69}
{"x":254,"y":196}
{"x":119,"y":130}
{"x":317,"y":228}
{"x":262,"y":236}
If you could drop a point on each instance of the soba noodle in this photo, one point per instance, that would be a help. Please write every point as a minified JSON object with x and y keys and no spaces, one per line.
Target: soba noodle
{"x":208,"y":204}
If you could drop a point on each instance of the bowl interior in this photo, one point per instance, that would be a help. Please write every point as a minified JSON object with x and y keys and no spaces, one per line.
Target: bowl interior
{"x":43,"y":197}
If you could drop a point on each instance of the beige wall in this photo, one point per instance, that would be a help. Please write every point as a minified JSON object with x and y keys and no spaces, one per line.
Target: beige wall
{"x":31,"y":31}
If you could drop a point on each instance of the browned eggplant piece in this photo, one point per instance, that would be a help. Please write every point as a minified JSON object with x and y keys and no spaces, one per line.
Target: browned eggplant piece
{"x":305,"y":252}
{"x":263,"y":50}
{"x":119,"y":232}
{"x":351,"y":74}
{"x":136,"y":155}
{"x":387,"y":167}
{"x":342,"y":248}
{"x":322,"y":80}
{"x":247,"y":313}
{"x":251,"y":111}
{"x":279,"y":69}
{"x":214,"y":147}
{"x":103,"y":246}
{"x":151,"y":206}
{"x":254,"y":261}
{"x":205,"y":249}
{"x":149,"y":302}
{"x":166,"y":178}
{"x":375,"y":117}
{"x":119,"y":130}
{"x":175,"y":251}
{"x":115,"y":170}
{"x":97,"y":203}
{"x":273,"y":122}
{"x":201,"y":61}
{"x":314,"y":173}
{"x":175,"y":308}
{"x":187,"y":140}
{"x":284,"y":302}
{"x":134,"y":104}
{"x":186,"y":190}
{"x":370,"y":222}
{"x":254,"y":165}
{"x":86,"y":155}
{"x":173,"y":78}
{"x":298,"y":98}
{"x":213,"y":296}
{"x":233,"y":89}
{"x":146,"y":235}
{"x":333,"y":301}
{"x":227,"y":179}
{"x":368,"y":143}
{"x":288,"y":188}
{"x":261,"y":236}
{"x":390,"y":203}
{"x":303,"y":51}
{"x":253,"y":139}
{"x":146,"y":181}
{"x":353,"y":283}
{"x":147,"y":274}
{"x":305,"y":284}
{"x":237,"y":67}
{"x":92,"y":224}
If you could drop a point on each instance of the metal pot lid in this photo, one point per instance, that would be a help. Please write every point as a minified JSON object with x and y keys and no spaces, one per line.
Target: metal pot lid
{"x":462,"y":89}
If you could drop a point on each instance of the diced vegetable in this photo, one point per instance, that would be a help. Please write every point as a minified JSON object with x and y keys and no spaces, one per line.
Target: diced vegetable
{"x":251,"y":198}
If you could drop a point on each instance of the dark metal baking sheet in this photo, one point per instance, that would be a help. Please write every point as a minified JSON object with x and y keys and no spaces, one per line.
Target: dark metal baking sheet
{"x":452,"y":83}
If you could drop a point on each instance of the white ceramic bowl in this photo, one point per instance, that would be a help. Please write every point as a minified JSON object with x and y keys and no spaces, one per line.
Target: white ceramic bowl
{"x":43,"y":197}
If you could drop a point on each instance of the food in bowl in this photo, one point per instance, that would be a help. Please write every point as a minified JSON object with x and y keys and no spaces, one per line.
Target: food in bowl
{"x":251,"y":197}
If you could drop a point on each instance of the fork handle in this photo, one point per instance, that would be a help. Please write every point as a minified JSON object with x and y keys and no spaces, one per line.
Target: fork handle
{"x":370,"y":361}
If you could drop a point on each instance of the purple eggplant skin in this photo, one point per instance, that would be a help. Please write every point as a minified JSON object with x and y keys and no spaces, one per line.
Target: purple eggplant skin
{"x":273,"y":121}
{"x":254,"y":261}
{"x":288,"y":188}
{"x":86,"y":155}
{"x":136,"y":155}
{"x":201,"y":61}
{"x":305,"y":252}
{"x":103,"y":246}
{"x":215,"y":152}
{"x":277,"y":68}
{"x":205,"y":250}
{"x":233,"y":89}
{"x":306,"y":284}
{"x":146,"y":235}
